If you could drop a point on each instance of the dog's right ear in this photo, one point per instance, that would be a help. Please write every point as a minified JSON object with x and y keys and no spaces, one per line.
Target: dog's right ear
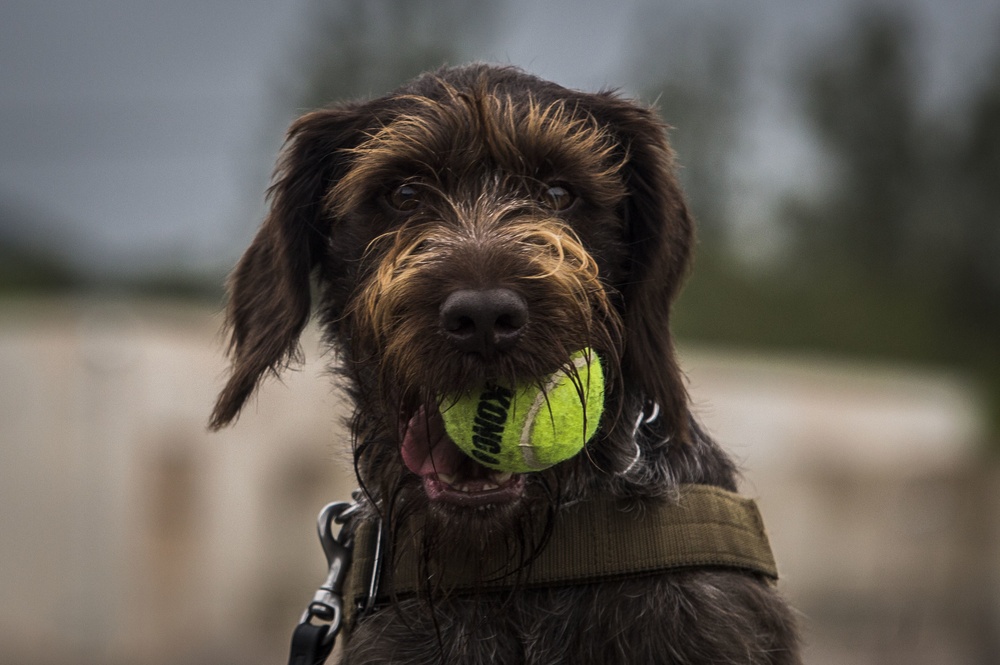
{"x":269,"y":291}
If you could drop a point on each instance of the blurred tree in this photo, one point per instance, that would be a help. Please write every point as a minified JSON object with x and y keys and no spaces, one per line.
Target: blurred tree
{"x":974,"y":285}
{"x":697,"y":87}
{"x":23,"y":269}
{"x":361,"y":48}
{"x":860,"y":98}
{"x":698,"y":82}
{"x":914,"y":208}
{"x":909,"y":226}
{"x":897,"y":256}
{"x":28,"y":262}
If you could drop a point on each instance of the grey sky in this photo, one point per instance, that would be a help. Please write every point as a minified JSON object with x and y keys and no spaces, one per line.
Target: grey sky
{"x":134,"y":133}
{"x":125,"y":122}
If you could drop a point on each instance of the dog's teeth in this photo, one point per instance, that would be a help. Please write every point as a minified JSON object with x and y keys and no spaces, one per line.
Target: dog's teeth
{"x":481,"y":485}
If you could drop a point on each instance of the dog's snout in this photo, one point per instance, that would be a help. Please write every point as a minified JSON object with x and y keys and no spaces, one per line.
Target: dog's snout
{"x":483,"y":321}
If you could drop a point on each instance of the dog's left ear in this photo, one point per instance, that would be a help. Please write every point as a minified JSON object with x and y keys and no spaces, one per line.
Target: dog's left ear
{"x":269,"y":291}
{"x":660,"y":236}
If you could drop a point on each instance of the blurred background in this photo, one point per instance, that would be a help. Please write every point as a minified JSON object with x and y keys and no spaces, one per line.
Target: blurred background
{"x":840,"y":331}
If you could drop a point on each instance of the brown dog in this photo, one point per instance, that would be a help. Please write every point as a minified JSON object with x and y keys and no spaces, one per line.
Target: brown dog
{"x":480,"y":224}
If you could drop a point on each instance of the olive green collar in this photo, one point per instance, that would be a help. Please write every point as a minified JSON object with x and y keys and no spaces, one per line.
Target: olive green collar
{"x":591,"y":541}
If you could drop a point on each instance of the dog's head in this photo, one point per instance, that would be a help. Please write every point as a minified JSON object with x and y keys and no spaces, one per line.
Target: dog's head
{"x":477,"y":224}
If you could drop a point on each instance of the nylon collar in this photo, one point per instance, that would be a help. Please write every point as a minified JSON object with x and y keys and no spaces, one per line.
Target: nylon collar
{"x":590,"y":542}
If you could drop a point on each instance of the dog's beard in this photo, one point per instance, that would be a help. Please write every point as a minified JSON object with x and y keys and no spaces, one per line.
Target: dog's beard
{"x":493,"y":543}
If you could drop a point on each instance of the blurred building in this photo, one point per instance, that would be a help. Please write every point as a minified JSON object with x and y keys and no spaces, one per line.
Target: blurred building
{"x":132,"y":535}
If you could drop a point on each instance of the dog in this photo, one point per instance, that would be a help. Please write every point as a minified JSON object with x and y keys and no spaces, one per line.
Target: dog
{"x":477,"y":225}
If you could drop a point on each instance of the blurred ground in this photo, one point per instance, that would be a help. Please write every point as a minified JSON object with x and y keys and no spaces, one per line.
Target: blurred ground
{"x":131,"y":535}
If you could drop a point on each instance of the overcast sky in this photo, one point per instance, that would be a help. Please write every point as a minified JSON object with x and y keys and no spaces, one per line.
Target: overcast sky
{"x":136,"y":133}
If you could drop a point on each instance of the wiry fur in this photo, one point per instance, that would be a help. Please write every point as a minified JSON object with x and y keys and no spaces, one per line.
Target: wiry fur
{"x":479,"y":145}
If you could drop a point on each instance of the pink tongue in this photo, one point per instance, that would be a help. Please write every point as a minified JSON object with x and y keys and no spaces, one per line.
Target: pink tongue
{"x":426,"y":448}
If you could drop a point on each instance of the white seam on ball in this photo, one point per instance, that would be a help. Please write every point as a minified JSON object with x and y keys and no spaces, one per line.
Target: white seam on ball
{"x":527,"y":449}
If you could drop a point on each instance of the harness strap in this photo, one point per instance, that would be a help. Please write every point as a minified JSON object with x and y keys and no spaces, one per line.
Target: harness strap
{"x":590,"y":542}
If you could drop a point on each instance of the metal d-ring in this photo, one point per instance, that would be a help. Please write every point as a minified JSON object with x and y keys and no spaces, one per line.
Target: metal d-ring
{"x":641,"y":419}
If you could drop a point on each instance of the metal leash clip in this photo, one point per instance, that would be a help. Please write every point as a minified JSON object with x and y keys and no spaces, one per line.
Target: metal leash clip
{"x":313,"y":642}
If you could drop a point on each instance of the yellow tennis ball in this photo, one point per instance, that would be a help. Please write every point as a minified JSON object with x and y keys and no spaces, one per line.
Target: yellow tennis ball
{"x":527,"y":428}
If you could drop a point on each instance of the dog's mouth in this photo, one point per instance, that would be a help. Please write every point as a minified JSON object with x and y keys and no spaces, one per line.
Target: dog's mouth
{"x":448,"y":474}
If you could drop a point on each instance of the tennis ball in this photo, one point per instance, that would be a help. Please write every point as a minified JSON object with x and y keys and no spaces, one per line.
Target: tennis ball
{"x":527,"y":428}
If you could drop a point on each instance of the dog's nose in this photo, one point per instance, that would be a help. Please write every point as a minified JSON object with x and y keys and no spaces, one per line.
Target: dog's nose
{"x":483,"y":320}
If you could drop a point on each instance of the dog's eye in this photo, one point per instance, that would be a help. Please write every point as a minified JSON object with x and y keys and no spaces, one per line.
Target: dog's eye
{"x":557,"y":198}
{"x":404,"y":198}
